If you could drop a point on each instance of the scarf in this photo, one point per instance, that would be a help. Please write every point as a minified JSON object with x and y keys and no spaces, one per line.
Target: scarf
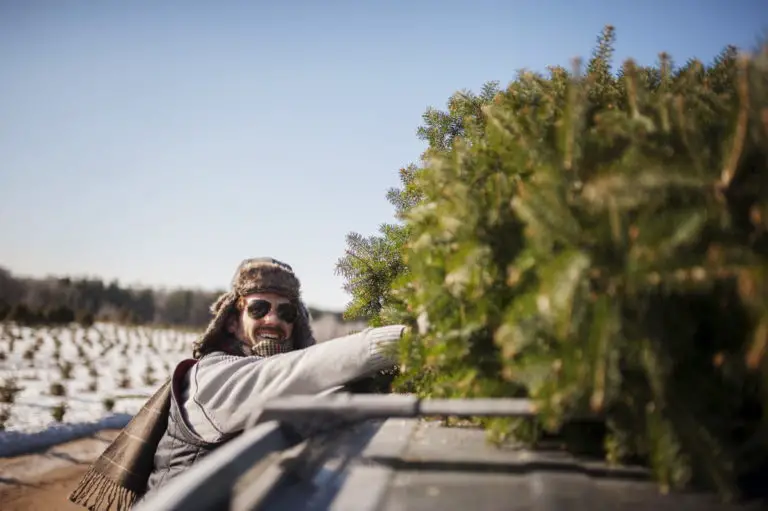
{"x":119,"y":476}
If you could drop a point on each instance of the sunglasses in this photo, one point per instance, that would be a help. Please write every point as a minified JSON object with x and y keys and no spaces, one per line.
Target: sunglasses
{"x":287,"y":312}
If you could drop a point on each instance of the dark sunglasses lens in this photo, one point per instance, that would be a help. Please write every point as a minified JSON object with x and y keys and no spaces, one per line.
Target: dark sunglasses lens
{"x":257,"y":309}
{"x":287,"y":312}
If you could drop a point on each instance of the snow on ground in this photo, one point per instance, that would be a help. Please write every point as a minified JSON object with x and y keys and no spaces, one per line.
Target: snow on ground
{"x":124,"y":364}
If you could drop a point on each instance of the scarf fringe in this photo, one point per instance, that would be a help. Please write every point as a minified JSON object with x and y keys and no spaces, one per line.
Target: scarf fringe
{"x":98,"y":493}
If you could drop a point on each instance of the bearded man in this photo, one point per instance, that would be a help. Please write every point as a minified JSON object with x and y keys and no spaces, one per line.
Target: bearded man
{"x":258,"y":346}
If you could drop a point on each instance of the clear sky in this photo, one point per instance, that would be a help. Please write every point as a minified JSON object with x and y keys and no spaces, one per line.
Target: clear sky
{"x":160,"y":143}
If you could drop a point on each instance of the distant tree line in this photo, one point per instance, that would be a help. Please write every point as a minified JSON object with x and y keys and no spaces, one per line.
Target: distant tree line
{"x":62,"y":300}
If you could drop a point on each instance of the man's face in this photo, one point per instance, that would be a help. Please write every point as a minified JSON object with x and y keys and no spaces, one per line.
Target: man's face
{"x":266,"y":323}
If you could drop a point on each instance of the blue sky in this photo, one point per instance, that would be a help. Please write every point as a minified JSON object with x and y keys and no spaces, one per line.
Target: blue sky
{"x":162,"y":142}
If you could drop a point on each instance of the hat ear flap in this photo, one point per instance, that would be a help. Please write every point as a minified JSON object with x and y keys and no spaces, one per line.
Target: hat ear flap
{"x":219,"y":303}
{"x":307,"y":313}
{"x":303,"y":337}
{"x":217,"y":328}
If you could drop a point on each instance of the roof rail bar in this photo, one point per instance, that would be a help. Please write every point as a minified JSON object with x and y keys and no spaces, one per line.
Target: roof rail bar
{"x":209,"y":483}
{"x":371,"y":406}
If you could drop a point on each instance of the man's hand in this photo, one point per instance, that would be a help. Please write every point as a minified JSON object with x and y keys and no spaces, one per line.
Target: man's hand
{"x":380,"y":383}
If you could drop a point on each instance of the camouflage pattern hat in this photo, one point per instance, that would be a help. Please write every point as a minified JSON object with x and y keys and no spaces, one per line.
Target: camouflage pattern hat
{"x":255,"y":275}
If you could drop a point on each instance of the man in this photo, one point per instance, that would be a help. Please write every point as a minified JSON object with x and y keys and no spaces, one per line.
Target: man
{"x":259,"y":345}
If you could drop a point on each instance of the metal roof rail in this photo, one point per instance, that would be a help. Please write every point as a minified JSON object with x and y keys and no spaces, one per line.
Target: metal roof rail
{"x":209,"y":484}
{"x":373,"y":406}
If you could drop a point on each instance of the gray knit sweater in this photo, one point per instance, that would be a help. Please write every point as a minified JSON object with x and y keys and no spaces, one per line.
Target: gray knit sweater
{"x":222,"y":392}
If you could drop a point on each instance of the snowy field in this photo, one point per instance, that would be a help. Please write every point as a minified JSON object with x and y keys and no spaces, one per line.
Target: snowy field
{"x":61,"y":383}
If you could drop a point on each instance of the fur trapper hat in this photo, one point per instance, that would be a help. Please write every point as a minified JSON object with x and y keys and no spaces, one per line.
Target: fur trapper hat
{"x":255,"y":275}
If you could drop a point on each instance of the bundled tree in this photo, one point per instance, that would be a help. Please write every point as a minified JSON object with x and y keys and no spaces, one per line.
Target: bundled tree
{"x":601,"y":247}
{"x":372,"y":264}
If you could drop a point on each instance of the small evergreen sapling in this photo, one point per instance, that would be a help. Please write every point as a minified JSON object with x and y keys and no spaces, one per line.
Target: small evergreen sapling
{"x":9,"y":390}
{"x":57,"y":389}
{"x":148,"y":377}
{"x":65,"y":369}
{"x":58,"y":412}
{"x":5,"y":415}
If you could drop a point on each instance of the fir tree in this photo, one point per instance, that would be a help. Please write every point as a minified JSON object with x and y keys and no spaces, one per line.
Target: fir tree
{"x":372,"y":264}
{"x":599,"y":245}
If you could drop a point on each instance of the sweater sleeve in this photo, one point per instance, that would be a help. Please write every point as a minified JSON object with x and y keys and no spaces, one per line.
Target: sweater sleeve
{"x":225,"y":391}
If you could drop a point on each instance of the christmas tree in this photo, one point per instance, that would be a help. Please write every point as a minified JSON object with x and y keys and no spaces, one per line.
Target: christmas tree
{"x":595,"y":241}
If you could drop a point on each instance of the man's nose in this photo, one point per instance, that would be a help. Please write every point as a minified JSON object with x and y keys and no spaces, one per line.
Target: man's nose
{"x":271,"y":316}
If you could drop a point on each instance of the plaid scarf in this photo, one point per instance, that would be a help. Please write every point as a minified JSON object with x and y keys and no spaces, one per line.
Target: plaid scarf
{"x":269,"y":347}
{"x":119,"y":476}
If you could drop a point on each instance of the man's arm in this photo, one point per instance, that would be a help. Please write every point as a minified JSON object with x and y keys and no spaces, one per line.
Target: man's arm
{"x":224,"y":391}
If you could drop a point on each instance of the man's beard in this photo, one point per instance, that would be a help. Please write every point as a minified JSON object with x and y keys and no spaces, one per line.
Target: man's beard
{"x":267,"y":342}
